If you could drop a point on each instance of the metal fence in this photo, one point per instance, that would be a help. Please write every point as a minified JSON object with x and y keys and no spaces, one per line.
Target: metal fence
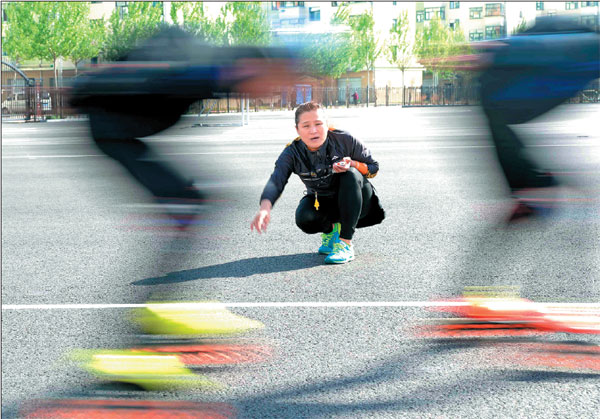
{"x":447,"y":95}
{"x":34,"y":102}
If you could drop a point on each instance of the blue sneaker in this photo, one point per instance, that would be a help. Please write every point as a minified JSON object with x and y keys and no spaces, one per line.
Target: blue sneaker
{"x":327,"y":240}
{"x":342,"y":253}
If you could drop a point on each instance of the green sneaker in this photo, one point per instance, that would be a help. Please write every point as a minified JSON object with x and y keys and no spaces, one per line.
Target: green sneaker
{"x":342,"y":253}
{"x":327,"y":239}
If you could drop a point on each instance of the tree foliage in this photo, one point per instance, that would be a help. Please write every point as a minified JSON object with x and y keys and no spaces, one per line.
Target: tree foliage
{"x":89,"y":42}
{"x":400,"y":47}
{"x":435,"y":42}
{"x":19,"y":27}
{"x":43,"y":30}
{"x":521,"y":27}
{"x":365,"y":45}
{"x":141,"y":21}
{"x":328,"y":54}
{"x":239,"y":23}
{"x":246,"y":23}
{"x":195,"y":21}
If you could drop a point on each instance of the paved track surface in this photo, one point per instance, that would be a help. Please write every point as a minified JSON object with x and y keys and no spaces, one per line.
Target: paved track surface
{"x":70,"y":236}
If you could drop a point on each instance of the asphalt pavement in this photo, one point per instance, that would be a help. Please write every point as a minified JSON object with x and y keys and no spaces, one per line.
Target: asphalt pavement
{"x":343,"y":336}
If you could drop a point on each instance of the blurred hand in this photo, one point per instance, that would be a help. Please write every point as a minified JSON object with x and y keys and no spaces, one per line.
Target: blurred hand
{"x":262,"y":218}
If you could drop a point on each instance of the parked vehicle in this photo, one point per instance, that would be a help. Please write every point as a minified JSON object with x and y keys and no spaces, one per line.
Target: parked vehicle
{"x":17,"y":103}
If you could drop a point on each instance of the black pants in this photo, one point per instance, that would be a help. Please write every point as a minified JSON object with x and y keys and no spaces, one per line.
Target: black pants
{"x":114,"y":134}
{"x":520,"y":171}
{"x":149,"y":169}
{"x":349,"y":204}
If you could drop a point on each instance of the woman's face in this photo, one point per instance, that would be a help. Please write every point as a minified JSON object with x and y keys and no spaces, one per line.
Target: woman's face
{"x":312,"y":128}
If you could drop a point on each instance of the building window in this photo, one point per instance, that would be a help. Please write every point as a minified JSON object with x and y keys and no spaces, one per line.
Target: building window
{"x":394,"y":3}
{"x":334,"y":4}
{"x":122,"y":8}
{"x":455,"y":24}
{"x":454,"y":4}
{"x":420,"y":16}
{"x":571,"y":5}
{"x":394,"y":22}
{"x":494,"y":9}
{"x":539,"y":5}
{"x":589,"y":3}
{"x":476,"y":35}
{"x":432,"y":12}
{"x":589,"y":21}
{"x":475,"y":12}
{"x":276,"y":5}
{"x":4,"y":18}
{"x":494,"y":32}
{"x":314,"y":14}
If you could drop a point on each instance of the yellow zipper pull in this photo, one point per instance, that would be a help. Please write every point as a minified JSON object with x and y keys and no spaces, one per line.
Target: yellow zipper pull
{"x":316,"y":202}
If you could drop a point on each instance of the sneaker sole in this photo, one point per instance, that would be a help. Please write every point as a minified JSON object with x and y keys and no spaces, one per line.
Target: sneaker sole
{"x":339,"y":262}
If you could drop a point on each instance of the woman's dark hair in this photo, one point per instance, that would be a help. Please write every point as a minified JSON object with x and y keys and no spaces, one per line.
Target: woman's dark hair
{"x":306,"y":107}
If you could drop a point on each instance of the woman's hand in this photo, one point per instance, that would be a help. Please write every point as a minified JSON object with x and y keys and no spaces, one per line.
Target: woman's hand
{"x":343,"y":165}
{"x":262,"y":218}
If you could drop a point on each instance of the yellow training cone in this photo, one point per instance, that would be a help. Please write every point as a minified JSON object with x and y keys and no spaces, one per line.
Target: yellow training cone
{"x":151,"y":371}
{"x":192,"y":319}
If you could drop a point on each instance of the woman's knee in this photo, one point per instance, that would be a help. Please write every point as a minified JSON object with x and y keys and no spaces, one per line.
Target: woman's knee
{"x":307,"y":221}
{"x":351,"y":177}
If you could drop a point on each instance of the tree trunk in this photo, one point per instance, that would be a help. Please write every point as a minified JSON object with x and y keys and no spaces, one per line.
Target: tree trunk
{"x":58,"y":101}
{"x":368,"y":80}
{"x":403,"y":88}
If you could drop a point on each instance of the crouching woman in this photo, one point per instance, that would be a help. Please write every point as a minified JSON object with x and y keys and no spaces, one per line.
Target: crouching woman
{"x":335,"y":167}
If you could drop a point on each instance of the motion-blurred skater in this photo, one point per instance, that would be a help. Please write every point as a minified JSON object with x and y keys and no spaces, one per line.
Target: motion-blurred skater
{"x":528,"y":75}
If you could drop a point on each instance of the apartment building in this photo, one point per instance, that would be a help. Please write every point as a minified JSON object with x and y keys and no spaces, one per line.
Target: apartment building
{"x":291,"y":19}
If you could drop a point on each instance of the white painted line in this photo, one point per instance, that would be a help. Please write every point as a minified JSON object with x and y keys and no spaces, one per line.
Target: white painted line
{"x":242,"y":153}
{"x":308,"y":304}
{"x":58,"y":156}
{"x":292,"y":304}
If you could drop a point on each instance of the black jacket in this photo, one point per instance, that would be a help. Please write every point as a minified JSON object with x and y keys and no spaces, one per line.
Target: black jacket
{"x":315,"y":169}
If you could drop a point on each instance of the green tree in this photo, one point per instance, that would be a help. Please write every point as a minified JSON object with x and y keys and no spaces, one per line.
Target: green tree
{"x":141,"y":21}
{"x":53,"y":36}
{"x":365,"y":45}
{"x":90,"y":38}
{"x":19,"y":26}
{"x":239,"y":23}
{"x":195,"y":21}
{"x":520,"y":27}
{"x":399,"y":46}
{"x":436,"y":42}
{"x":328,"y":54}
{"x":246,"y":23}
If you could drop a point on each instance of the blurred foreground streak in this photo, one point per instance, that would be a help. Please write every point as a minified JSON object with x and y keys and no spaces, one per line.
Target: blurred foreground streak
{"x":141,"y":94}
{"x":147,"y":91}
{"x":515,"y":334}
{"x":522,"y":77}
{"x":107,"y":409}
